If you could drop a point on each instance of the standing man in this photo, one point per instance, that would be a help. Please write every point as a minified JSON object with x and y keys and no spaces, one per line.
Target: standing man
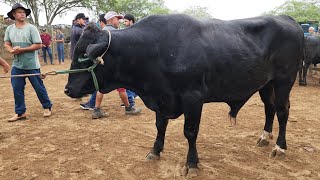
{"x":59,"y":39}
{"x":23,"y":40}
{"x":108,"y":22}
{"x":113,"y":23}
{"x":46,"y":46}
{"x":80,"y":22}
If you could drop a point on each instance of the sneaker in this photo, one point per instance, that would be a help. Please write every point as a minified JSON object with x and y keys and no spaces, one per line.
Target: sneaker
{"x":97,"y":113}
{"x":131,"y":110}
{"x":47,"y":112}
{"x":122,"y":105}
{"x":86,"y":106}
{"x":18,"y":117}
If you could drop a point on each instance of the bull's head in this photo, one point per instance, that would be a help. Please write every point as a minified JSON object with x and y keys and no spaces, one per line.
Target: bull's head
{"x":91,"y":44}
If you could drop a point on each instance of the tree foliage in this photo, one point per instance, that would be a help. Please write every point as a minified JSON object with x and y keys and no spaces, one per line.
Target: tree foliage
{"x":50,"y":8}
{"x":301,"y":11}
{"x":198,"y":12}
{"x":138,"y":8}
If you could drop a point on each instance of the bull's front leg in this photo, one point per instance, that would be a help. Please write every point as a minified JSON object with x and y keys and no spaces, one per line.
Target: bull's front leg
{"x":161,"y":124}
{"x":192,"y":115}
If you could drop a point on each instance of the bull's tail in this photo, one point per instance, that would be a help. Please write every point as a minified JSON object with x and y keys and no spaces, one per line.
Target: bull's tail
{"x":302,"y":59}
{"x":304,"y":53}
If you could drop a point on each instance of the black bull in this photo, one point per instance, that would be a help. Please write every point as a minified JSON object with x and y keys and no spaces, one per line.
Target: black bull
{"x":176,"y":64}
{"x":311,"y":56}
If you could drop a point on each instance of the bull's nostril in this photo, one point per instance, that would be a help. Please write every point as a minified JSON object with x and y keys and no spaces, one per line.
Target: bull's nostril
{"x":66,"y":91}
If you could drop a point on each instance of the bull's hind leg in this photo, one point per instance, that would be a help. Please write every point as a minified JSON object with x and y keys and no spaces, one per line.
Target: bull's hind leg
{"x":268,"y":98}
{"x":304,"y":74}
{"x":282,"y":104}
{"x":161,"y":124}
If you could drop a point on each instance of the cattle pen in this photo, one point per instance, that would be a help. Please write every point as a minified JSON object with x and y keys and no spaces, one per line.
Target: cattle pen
{"x":70,"y":145}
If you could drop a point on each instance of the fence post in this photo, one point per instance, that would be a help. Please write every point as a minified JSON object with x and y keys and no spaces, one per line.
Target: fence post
{"x":53,"y":44}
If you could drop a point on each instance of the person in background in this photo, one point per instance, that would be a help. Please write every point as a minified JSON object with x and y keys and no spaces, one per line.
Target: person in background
{"x":96,"y":96}
{"x":113,"y":23}
{"x":23,"y":40}
{"x":108,"y":22}
{"x":129,"y":20}
{"x":5,"y":65}
{"x":312,"y":33}
{"x":59,"y":39}
{"x":46,"y":46}
{"x":80,"y":22}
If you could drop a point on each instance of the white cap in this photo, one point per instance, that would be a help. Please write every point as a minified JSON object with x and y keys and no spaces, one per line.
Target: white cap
{"x":112,"y":14}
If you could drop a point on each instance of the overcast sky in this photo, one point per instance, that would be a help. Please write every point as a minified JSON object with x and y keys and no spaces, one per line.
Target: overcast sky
{"x":220,"y":9}
{"x":228,"y":9}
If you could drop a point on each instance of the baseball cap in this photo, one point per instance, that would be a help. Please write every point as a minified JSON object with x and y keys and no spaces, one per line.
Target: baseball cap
{"x":112,"y":14}
{"x":101,"y":18}
{"x":80,"y":16}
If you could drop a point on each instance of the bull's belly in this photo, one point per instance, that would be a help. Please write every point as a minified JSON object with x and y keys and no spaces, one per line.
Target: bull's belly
{"x":234,"y":91}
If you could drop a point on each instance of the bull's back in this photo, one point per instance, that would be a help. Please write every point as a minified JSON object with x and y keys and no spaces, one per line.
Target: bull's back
{"x":234,"y":59}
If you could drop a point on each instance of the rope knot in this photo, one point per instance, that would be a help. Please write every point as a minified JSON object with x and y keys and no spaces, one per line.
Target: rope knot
{"x":100,"y":60}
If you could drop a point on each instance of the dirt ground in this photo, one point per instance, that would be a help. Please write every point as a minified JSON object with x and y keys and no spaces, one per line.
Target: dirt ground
{"x":70,"y":145}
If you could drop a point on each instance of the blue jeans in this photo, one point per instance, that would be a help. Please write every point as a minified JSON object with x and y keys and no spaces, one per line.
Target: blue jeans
{"x":60,"y":49}
{"x":92,"y":100}
{"x":18,"y":85}
{"x":130,"y":95}
{"x":44,"y":50}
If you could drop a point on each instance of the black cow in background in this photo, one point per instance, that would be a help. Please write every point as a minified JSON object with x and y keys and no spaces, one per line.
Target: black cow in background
{"x":311,"y":56}
{"x":176,"y":63}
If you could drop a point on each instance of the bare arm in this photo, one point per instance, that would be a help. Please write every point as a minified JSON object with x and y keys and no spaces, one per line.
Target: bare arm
{"x":5,"y":65}
{"x":18,"y":50}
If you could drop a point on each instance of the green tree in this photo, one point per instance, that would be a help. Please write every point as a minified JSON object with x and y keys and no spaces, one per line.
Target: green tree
{"x":138,"y":8}
{"x":301,"y":11}
{"x":198,"y":12}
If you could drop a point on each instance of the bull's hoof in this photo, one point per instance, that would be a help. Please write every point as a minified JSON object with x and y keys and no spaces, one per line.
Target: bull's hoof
{"x":264,"y":139}
{"x":190,"y":172}
{"x":277,"y":153}
{"x":262,"y":143}
{"x":152,"y":156}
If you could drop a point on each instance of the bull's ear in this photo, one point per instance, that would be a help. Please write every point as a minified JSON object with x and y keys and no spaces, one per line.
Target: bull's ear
{"x":95,"y":50}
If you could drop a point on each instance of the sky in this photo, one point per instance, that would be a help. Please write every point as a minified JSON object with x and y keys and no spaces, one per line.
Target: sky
{"x":220,"y":9}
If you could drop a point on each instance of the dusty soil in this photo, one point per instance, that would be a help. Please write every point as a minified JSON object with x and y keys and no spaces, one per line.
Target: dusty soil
{"x":70,"y":145}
